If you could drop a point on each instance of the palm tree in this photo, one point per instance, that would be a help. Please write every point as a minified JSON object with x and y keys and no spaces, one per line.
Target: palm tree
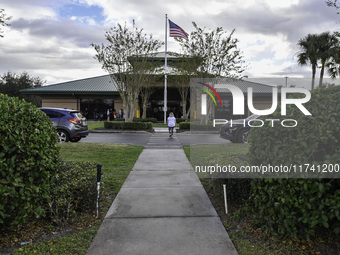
{"x":333,"y":66}
{"x":309,"y":53}
{"x":328,"y":44}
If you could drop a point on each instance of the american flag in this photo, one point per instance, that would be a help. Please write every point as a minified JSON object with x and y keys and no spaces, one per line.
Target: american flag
{"x":177,"y":31}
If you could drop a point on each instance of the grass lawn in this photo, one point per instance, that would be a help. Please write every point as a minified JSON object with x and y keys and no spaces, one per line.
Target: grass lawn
{"x":117,"y":160}
{"x":91,"y":125}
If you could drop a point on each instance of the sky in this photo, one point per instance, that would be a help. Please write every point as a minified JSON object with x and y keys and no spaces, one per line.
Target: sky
{"x":50,"y":39}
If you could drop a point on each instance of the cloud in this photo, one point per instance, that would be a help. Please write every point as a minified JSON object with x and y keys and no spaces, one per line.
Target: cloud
{"x":52,"y":38}
{"x":63,"y":29}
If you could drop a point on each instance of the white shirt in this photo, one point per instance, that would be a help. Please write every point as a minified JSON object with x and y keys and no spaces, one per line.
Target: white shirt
{"x":171,"y":121}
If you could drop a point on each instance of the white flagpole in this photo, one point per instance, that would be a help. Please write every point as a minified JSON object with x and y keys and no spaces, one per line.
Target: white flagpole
{"x":165,"y":68}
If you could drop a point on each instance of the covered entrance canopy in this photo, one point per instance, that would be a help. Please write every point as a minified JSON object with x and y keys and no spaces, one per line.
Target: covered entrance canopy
{"x":94,"y":96}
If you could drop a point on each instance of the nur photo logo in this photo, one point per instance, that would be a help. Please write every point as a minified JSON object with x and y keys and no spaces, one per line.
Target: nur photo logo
{"x":204,"y":97}
{"x":239,"y":102}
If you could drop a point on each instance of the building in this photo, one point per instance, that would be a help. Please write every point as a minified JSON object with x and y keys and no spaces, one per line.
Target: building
{"x":94,"y":96}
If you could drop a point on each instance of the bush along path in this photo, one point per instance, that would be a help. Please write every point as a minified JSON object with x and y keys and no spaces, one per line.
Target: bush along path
{"x":249,"y":235}
{"x":49,"y":189}
{"x":307,"y":202}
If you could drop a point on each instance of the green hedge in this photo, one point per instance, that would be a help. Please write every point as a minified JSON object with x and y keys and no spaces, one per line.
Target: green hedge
{"x":316,"y":138}
{"x":74,"y":190}
{"x":197,"y":127}
{"x":119,"y":125}
{"x":296,"y":207}
{"x":184,"y":125}
{"x":28,"y":160}
{"x":299,"y":207}
{"x":180,"y":120}
{"x":153,"y":120}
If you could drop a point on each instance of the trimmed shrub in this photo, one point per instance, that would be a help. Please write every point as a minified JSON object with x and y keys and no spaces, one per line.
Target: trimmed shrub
{"x":153,"y":120}
{"x":119,"y":125}
{"x":296,"y":207}
{"x":184,"y":125}
{"x":74,"y":190}
{"x":28,"y":160}
{"x":197,"y":127}
{"x":180,"y":120}
{"x":238,"y":189}
{"x":316,"y":138}
{"x":299,"y":207}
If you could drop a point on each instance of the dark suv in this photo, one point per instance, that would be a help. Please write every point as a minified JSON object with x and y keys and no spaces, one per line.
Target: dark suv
{"x":70,"y":124}
{"x":237,"y":130}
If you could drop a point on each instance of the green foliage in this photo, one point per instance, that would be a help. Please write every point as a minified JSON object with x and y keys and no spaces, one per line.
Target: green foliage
{"x":28,"y":159}
{"x":11,"y":84}
{"x":124,"y":57}
{"x":334,"y":4}
{"x":214,"y":52}
{"x":197,"y":127}
{"x":75,"y":244}
{"x":180,"y":120}
{"x":153,"y":120}
{"x":74,"y":190}
{"x":299,"y":207}
{"x":296,"y":207}
{"x":4,"y":19}
{"x":238,"y":189}
{"x":128,"y":125}
{"x":316,"y":138}
{"x":184,"y":125}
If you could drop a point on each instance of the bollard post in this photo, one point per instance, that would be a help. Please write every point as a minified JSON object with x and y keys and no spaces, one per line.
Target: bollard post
{"x":225,"y":195}
{"x":99,"y":176}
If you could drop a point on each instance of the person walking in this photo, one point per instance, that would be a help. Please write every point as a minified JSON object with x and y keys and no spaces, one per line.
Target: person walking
{"x":171,"y":124}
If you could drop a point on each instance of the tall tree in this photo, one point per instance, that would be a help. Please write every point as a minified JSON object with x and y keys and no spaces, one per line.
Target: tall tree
{"x":216,"y":50}
{"x":327,"y":47}
{"x":11,"y":84}
{"x":333,"y":3}
{"x":4,"y":19}
{"x":186,"y":68}
{"x":333,"y":66}
{"x":211,"y":53}
{"x":309,"y":53}
{"x":124,"y":58}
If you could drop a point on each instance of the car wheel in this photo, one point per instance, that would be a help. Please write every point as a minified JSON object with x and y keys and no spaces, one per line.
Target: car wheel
{"x":243,"y":136}
{"x":75,"y":139}
{"x":63,"y":136}
{"x":232,"y":140}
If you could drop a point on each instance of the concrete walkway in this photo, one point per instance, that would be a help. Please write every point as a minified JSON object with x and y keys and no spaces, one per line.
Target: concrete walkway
{"x":162,"y":208}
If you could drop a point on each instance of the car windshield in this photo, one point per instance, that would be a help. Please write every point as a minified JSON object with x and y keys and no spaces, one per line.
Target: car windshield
{"x":252,"y":117}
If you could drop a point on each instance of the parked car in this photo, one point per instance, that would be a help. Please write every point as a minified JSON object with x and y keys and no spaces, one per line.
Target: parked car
{"x":71,"y":124}
{"x":236,"y":131}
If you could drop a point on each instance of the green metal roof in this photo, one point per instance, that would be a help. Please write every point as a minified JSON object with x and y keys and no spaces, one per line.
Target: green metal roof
{"x":101,"y":85}
{"x":105,"y":85}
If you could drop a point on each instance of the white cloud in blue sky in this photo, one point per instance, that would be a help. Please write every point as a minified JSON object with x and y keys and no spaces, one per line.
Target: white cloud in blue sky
{"x":51,"y":38}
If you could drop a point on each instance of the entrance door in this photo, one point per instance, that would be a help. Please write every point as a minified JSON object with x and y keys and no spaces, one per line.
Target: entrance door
{"x":96,"y":108}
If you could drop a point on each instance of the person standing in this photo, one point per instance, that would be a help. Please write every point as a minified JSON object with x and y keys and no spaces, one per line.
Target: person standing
{"x":171,"y":124}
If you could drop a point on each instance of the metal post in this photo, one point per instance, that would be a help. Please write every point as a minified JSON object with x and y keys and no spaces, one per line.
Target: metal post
{"x":99,"y":176}
{"x":225,"y":195}
{"x":165,"y":67}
